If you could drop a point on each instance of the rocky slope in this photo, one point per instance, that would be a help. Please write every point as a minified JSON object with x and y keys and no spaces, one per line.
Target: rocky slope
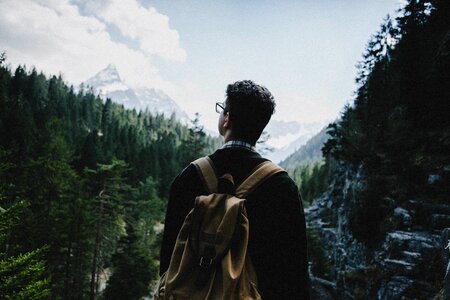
{"x":408,"y":264}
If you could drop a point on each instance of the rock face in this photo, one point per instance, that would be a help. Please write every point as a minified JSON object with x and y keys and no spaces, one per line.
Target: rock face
{"x":409,"y":263}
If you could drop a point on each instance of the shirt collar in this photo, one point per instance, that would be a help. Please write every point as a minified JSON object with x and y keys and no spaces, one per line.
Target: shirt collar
{"x":238,"y":144}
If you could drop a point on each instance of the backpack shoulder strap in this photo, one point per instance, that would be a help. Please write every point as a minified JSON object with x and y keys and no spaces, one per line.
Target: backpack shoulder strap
{"x":206,"y":169}
{"x":262,"y":172}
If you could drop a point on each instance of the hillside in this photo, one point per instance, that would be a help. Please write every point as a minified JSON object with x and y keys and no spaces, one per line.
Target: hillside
{"x":83,"y":184}
{"x":379,"y":229}
{"x":309,"y":153}
{"x":84,"y":181}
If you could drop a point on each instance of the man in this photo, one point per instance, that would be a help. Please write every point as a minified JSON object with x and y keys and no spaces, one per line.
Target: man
{"x":277,"y":242}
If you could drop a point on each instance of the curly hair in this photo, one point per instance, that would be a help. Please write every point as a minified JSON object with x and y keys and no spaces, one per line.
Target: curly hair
{"x":250,"y":107}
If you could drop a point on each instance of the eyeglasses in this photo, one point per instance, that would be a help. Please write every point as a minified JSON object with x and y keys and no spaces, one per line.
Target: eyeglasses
{"x":220,"y":107}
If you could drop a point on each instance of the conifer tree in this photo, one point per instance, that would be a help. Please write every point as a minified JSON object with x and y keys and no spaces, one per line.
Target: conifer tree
{"x":132,"y":269}
{"x":397,"y":129}
{"x":194,"y":145}
{"x":22,"y":275}
{"x":83,"y":168}
{"x":109,"y":188}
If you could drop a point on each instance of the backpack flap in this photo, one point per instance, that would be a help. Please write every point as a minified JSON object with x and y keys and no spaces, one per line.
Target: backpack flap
{"x":213,"y":228}
{"x":208,"y":262}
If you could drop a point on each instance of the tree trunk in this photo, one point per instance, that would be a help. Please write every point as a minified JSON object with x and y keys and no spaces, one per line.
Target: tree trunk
{"x":98,"y":240}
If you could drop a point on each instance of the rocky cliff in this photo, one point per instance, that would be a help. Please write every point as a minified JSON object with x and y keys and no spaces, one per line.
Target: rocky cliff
{"x":408,"y":263}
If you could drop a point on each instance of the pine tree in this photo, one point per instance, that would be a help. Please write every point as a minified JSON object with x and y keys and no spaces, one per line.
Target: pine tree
{"x":109,"y":188}
{"x":22,"y":276}
{"x":194,"y":145}
{"x":397,"y":129}
{"x":132,"y":269}
{"x":61,"y":150}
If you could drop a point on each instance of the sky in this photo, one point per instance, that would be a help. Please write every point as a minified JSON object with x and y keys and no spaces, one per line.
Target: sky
{"x":303,"y":51}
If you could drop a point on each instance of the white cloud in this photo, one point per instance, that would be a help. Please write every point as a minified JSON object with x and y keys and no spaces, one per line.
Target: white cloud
{"x":145,"y":25}
{"x":55,"y":37}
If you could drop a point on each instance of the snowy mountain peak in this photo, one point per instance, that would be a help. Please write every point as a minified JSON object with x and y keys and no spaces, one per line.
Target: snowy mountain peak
{"x":108,"y":83}
{"x":107,"y":76}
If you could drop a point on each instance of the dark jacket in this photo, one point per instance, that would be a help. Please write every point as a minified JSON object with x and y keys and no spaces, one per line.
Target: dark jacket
{"x":277,"y":244}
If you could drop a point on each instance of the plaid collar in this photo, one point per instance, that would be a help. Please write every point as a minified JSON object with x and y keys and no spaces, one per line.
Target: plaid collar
{"x":238,"y":144}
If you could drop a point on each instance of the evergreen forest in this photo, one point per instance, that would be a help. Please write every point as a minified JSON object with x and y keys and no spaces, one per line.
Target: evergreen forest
{"x":84,"y":182}
{"x":397,"y":130}
{"x":83,"y":189}
{"x":380,"y":217}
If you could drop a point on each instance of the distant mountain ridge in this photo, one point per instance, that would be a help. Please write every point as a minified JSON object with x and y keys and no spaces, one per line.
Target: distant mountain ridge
{"x":308,"y":153}
{"x":108,"y":84}
{"x":284,"y":136}
{"x":287,"y":137}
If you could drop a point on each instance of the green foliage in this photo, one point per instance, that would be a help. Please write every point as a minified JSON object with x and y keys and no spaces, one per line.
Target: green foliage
{"x":368,"y":277}
{"x":368,"y":208}
{"x":312,"y":179}
{"x":194,"y":145}
{"x":146,"y":212}
{"x":85,"y":168}
{"x":132,"y":269}
{"x":320,"y":264}
{"x":108,"y":188}
{"x":398,"y":129}
{"x":22,"y":277}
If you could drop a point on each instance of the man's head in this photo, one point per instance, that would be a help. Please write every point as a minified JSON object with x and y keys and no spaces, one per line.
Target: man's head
{"x":249,"y":107}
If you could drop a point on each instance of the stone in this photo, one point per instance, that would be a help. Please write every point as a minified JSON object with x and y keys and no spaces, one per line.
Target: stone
{"x":398,"y":267}
{"x":447,"y":282}
{"x":412,"y":241}
{"x":403,"y":216}
{"x":412,"y":257}
{"x":408,"y":264}
{"x":439,"y":221}
{"x":433,"y":178}
{"x":395,"y":288}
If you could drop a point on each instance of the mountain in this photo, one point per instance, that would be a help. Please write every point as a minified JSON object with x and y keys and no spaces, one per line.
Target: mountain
{"x":287,"y":137}
{"x":284,"y":137}
{"x":108,"y":84}
{"x":310,"y":152}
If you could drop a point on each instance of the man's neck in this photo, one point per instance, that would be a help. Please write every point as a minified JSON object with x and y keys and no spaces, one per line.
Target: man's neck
{"x":239,"y":144}
{"x":228,"y":136}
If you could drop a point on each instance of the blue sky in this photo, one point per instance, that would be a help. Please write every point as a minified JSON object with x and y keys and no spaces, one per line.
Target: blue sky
{"x":305,"y":51}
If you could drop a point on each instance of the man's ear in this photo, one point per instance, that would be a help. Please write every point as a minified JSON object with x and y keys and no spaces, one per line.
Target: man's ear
{"x":227,"y":121}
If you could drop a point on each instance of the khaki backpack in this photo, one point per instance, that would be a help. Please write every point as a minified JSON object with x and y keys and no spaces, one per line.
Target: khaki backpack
{"x":210,"y":258}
